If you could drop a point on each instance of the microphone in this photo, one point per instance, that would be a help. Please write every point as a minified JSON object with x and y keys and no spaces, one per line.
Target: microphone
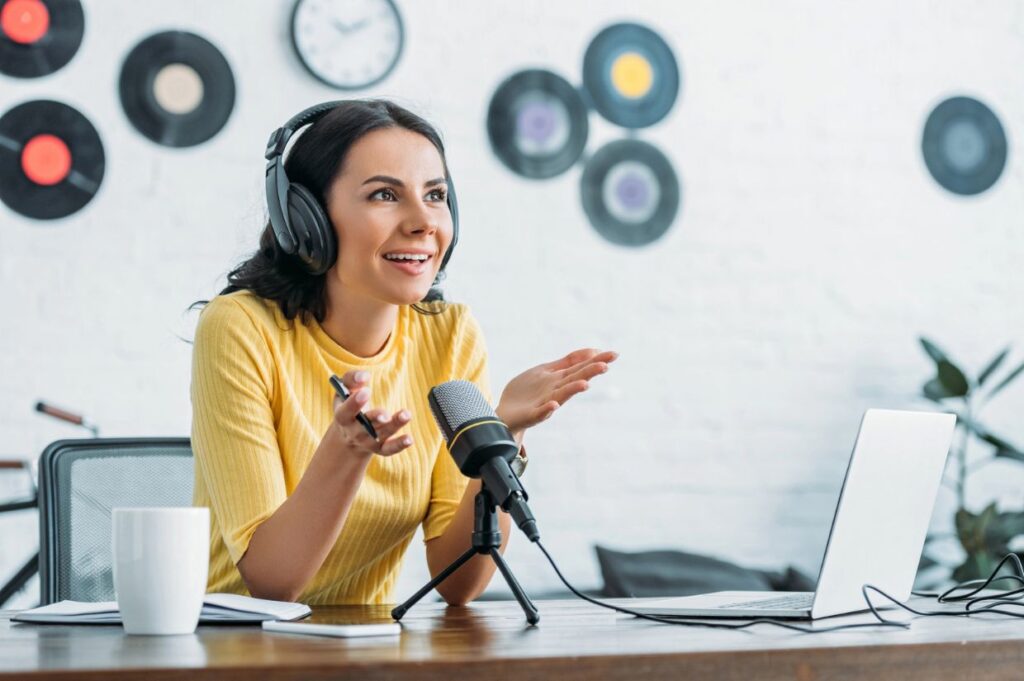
{"x":482,"y":447}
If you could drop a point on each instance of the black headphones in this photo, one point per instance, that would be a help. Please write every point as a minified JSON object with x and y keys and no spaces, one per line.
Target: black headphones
{"x":300,"y":223}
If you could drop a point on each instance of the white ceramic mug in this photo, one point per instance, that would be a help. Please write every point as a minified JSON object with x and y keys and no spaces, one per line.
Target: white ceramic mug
{"x":161,"y":557}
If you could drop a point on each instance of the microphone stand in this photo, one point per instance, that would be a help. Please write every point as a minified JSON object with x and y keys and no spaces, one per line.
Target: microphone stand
{"x":486,"y":540}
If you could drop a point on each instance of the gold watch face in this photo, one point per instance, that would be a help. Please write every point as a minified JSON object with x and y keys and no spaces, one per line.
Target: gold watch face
{"x":518,"y":464}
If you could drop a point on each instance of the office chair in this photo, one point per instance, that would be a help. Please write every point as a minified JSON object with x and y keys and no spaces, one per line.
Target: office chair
{"x":80,"y":482}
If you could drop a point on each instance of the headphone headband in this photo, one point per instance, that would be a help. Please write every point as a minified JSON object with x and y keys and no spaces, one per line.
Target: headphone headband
{"x":279,"y":138}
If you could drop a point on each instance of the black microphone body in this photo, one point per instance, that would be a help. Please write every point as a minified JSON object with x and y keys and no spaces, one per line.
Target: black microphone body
{"x":482,"y":447}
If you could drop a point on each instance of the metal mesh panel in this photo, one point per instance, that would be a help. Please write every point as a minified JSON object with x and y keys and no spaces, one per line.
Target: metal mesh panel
{"x":96,"y":483}
{"x":459,"y":402}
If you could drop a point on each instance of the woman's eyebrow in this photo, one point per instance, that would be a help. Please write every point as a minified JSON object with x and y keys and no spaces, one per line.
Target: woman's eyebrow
{"x":387,"y":179}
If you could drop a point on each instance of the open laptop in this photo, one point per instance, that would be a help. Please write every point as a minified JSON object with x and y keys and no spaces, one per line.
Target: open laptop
{"x":878,"y":529}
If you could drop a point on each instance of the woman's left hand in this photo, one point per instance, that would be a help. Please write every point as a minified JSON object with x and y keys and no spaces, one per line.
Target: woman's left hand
{"x":535,"y":394}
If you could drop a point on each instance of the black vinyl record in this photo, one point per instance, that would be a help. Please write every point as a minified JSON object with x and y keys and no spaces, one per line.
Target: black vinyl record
{"x":537,"y":124}
{"x":51,"y":159}
{"x":37,"y":37}
{"x":964,"y":146}
{"x":177,"y":89}
{"x":631,"y":75}
{"x":630,"y":192}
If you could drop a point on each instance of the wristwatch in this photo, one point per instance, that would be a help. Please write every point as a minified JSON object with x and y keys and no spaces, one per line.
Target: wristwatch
{"x":518,"y":464}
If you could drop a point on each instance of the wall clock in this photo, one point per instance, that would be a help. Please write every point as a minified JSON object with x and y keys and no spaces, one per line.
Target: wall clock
{"x":347,"y":44}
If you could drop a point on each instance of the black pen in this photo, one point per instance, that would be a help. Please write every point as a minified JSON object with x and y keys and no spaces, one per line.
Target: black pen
{"x":343,"y":393}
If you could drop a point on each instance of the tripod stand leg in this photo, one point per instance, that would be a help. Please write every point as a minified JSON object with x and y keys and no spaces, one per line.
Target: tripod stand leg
{"x":532,"y":616}
{"x":400,"y":610}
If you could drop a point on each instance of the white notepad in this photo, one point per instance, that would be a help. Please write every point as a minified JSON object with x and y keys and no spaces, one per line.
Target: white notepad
{"x":337,"y":630}
{"x":224,"y":608}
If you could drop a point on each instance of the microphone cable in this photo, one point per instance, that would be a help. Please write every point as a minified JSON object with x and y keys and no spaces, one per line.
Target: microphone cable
{"x":1006,"y":598}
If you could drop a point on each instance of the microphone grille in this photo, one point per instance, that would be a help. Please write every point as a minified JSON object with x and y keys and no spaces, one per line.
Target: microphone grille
{"x":457,"y":402}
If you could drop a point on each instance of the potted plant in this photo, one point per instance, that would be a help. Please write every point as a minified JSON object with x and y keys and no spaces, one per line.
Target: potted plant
{"x":986,"y":535}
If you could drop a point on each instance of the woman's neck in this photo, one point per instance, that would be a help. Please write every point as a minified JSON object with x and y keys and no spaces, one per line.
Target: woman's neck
{"x":359,"y":324}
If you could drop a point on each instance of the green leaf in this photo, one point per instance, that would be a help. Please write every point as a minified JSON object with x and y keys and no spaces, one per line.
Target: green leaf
{"x":935,"y":391}
{"x":953,"y":380}
{"x":972,"y":529}
{"x":1006,"y":381}
{"x":992,"y":366}
{"x":977,"y":566}
{"x":933,"y":350}
{"x":1003,"y":528}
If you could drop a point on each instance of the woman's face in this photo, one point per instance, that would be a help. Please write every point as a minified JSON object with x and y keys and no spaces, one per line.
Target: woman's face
{"x":390,"y":213}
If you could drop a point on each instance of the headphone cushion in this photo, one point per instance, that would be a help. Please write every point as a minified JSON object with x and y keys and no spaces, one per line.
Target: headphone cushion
{"x":312,"y":228}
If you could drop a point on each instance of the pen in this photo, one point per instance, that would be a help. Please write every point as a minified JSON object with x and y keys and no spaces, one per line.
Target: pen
{"x":343,"y":393}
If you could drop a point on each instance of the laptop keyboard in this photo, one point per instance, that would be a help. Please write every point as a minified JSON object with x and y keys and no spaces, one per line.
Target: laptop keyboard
{"x":798,"y":601}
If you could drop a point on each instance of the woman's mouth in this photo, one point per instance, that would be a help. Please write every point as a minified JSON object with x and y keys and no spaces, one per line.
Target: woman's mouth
{"x":412,"y":264}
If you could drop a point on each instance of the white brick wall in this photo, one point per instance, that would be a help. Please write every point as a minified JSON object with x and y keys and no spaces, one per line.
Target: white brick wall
{"x":811,"y":250}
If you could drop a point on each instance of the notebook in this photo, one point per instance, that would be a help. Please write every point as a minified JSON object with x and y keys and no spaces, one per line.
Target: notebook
{"x":217,"y":608}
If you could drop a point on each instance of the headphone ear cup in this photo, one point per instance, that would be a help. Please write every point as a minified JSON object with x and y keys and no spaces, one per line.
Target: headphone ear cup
{"x":317,"y":244}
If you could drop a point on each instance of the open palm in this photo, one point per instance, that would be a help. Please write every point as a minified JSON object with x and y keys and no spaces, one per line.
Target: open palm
{"x":535,"y":394}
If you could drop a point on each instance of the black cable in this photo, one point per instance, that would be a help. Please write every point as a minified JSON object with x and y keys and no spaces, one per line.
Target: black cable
{"x":975,"y":587}
{"x":719,"y":625}
{"x":948,"y":597}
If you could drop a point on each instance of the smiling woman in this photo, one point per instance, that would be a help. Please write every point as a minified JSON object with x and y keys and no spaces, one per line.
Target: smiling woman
{"x":305,"y":502}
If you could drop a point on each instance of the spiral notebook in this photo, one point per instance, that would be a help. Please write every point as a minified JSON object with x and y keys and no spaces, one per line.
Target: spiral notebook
{"x":217,"y":609}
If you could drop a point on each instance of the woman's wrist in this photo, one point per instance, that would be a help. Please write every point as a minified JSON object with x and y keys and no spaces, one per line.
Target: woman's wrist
{"x":341,"y":449}
{"x":517,"y":433}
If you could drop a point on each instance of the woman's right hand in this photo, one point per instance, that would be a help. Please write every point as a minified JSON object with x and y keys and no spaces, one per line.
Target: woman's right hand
{"x":354,"y":437}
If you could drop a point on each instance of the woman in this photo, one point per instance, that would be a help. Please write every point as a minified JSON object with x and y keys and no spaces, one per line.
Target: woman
{"x":305,"y":504}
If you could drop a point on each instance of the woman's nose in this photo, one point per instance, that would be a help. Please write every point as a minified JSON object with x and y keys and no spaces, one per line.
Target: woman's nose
{"x":421,"y":219}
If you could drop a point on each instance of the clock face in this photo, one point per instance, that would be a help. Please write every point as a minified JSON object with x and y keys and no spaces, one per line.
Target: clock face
{"x":348,"y":44}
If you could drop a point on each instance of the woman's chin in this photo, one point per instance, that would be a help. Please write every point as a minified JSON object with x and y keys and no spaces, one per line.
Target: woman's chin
{"x":407,"y":296}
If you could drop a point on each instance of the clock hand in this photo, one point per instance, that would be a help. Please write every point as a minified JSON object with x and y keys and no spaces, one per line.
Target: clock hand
{"x":359,"y":24}
{"x":349,"y":28}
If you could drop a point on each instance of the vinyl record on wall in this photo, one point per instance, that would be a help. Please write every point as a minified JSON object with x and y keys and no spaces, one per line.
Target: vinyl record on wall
{"x":964,"y":146}
{"x":630,"y":192}
{"x":177,"y":89}
{"x":631,"y":75}
{"x":51,"y":159}
{"x":537,"y":124}
{"x":37,"y":37}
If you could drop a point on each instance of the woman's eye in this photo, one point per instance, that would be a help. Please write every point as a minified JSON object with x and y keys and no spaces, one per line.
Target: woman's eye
{"x":385,"y":194}
{"x":437,"y":195}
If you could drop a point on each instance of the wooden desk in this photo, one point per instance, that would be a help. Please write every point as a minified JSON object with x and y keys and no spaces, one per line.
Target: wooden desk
{"x":574,"y":641}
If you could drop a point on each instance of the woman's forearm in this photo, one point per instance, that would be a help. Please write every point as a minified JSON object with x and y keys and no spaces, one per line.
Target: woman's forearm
{"x":289,"y":547}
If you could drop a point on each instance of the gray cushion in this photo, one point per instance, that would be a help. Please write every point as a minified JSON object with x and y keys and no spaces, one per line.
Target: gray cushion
{"x":677,"y":573}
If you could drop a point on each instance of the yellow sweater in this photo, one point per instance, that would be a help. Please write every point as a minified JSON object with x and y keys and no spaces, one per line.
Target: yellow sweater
{"x":261,"y":404}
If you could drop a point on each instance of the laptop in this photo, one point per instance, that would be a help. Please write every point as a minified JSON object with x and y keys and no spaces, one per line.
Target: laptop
{"x":878,"y":530}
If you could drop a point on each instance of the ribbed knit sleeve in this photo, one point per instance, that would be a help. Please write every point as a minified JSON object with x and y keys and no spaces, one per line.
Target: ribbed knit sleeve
{"x":233,"y":434}
{"x":447,"y":483}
